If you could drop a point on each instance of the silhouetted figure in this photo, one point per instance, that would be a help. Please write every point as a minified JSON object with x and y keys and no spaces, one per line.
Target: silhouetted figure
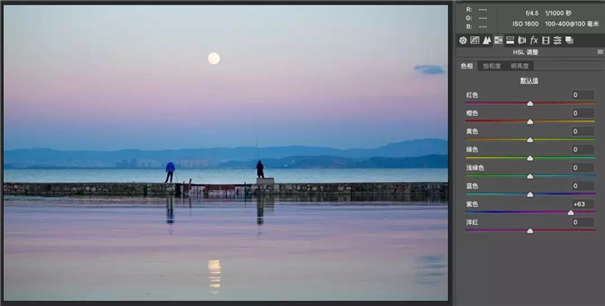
{"x":259,"y":170}
{"x":170,"y":171}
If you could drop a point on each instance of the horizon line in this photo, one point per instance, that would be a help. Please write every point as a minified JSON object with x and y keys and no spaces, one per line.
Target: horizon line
{"x":212,"y":148}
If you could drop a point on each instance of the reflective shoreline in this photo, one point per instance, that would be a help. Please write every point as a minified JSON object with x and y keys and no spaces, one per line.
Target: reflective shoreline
{"x":216,"y":249}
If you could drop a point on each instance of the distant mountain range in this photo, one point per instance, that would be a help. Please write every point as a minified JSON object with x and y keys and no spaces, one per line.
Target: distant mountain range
{"x":310,"y":162}
{"x":402,"y":154}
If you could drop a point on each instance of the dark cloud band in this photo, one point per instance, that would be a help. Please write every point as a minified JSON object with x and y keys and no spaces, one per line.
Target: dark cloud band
{"x":429,"y":69}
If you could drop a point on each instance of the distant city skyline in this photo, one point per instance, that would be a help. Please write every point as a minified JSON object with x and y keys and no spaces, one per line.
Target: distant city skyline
{"x":137,"y":77}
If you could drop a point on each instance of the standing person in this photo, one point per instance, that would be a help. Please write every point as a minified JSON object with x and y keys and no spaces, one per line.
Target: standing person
{"x":170,"y":170}
{"x":259,"y":170}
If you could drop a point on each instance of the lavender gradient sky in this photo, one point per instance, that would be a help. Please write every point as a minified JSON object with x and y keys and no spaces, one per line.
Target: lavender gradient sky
{"x":117,"y":77}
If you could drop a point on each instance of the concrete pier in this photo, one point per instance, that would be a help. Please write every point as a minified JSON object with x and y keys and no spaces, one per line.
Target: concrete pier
{"x":265,"y":181}
{"x":180,"y":189}
{"x":89,"y":189}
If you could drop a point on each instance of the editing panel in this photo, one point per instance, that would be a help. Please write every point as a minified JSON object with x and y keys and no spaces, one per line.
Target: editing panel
{"x":528,"y":173}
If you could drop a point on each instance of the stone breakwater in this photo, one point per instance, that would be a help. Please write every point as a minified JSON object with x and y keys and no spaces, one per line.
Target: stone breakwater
{"x":89,"y":189}
{"x":155,"y":189}
{"x":351,"y":188}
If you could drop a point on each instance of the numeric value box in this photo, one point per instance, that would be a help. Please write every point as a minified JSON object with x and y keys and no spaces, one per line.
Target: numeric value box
{"x":582,"y":167}
{"x":579,"y":94}
{"x":582,"y":113}
{"x":582,"y":204}
{"x":582,"y":222}
{"x":582,"y":186}
{"x":582,"y":131}
{"x":582,"y":149}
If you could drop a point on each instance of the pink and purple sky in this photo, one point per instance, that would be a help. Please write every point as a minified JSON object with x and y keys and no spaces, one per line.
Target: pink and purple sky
{"x":137,"y":77}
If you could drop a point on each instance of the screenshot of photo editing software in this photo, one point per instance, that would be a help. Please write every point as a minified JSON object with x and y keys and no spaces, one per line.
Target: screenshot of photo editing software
{"x":442,"y":153}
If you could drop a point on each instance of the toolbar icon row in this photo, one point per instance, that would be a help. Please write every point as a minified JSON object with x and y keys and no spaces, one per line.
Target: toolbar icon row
{"x":532,"y":40}
{"x":476,"y":40}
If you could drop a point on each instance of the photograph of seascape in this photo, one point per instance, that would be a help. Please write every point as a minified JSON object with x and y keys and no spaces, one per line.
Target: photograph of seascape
{"x":225,"y":152}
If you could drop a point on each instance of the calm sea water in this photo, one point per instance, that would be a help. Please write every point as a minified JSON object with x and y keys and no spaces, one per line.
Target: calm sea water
{"x":230,"y":176}
{"x":140,"y":249}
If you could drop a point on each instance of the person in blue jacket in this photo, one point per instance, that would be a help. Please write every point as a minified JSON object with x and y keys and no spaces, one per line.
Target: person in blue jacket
{"x":170,"y":170}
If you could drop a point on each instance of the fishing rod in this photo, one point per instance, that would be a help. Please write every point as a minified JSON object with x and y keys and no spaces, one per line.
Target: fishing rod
{"x":256,"y":139}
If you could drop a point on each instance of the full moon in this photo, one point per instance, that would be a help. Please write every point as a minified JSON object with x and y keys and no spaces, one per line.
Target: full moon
{"x":214,"y":58}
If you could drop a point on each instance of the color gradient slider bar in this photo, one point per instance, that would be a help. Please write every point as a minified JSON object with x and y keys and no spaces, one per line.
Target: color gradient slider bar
{"x":529,"y":230}
{"x":531,"y":121}
{"x":530,"y":194}
{"x":556,"y":212}
{"x":530,"y":139}
{"x":530,"y":176}
{"x":531,"y":157}
{"x":530,"y":103}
